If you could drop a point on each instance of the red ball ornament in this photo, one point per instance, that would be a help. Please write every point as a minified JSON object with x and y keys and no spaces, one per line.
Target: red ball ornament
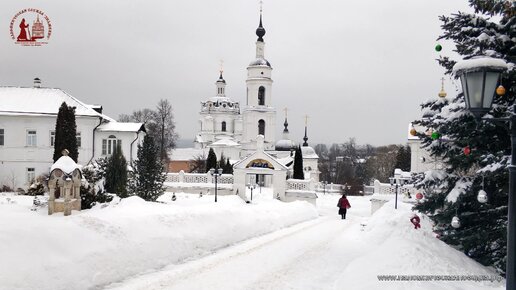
{"x":419,"y":196}
{"x":467,"y":150}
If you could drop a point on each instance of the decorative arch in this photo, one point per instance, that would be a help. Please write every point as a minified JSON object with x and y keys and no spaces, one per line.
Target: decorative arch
{"x":223,"y":129}
{"x":261,"y":127}
{"x":261,"y":96}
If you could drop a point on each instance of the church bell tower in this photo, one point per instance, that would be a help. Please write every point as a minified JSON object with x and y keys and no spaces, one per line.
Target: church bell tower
{"x":259,"y":115}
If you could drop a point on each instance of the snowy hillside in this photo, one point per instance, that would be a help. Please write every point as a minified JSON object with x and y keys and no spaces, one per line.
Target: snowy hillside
{"x":103,"y":245}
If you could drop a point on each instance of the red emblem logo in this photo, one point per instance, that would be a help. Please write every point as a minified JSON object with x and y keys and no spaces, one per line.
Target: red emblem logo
{"x":30,"y":27}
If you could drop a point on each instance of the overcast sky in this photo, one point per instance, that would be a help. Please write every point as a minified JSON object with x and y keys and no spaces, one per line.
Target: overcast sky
{"x":357,"y":68}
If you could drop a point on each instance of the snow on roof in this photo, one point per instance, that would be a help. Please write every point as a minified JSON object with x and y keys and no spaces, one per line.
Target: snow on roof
{"x":66,"y":164}
{"x":478,"y":62}
{"x":286,"y":161}
{"x":309,"y":152}
{"x":42,"y":101}
{"x":121,"y":127}
{"x":224,"y":142}
{"x":186,"y":154}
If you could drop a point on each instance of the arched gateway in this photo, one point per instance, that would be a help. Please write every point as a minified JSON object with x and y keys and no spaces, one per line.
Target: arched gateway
{"x":262,"y":169}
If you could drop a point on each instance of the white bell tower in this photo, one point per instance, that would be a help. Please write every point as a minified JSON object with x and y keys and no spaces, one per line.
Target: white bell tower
{"x":259,"y":115}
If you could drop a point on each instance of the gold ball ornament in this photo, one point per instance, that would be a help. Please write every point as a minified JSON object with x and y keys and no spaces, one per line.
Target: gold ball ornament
{"x":500,"y":90}
{"x":413,"y":132}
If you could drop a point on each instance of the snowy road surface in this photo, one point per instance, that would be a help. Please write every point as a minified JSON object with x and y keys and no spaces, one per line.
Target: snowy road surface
{"x":325,"y":253}
{"x":310,"y":255}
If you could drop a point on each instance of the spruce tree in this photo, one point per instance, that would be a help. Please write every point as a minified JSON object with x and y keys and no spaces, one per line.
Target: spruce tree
{"x":228,"y":168}
{"x":222,"y":162}
{"x":147,"y":177}
{"x":298,"y":164}
{"x":116,"y":174}
{"x":449,"y":129}
{"x":403,"y":158}
{"x":66,"y":133}
{"x":211,"y":161}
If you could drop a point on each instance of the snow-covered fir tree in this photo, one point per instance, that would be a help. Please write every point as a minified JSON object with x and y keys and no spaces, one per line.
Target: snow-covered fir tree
{"x":475,"y":154}
{"x":147,"y":177}
{"x":116,"y":174}
{"x":66,"y":133}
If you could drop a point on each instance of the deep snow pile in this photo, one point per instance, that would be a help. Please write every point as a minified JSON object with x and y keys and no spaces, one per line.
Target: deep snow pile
{"x":107,"y":244}
{"x":394,"y":247}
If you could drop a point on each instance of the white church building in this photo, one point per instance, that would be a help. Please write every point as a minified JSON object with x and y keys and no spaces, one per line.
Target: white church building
{"x":231,"y":129}
{"x":27,"y":131}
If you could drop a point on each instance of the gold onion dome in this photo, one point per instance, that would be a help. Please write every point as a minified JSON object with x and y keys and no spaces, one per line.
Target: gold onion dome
{"x":442,"y":93}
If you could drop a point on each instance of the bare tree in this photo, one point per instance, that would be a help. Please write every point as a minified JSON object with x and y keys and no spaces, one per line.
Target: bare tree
{"x":159,"y":124}
{"x":166,"y":126}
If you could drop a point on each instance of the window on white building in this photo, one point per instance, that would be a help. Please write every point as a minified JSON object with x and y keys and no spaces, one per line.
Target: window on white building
{"x":78,"y":137}
{"x":223,"y":126}
{"x":261,"y":96}
{"x":32,"y":139}
{"x":261,"y":127}
{"x":109,"y":145}
{"x":1,"y":137}
{"x":31,"y":174}
{"x":52,"y":138}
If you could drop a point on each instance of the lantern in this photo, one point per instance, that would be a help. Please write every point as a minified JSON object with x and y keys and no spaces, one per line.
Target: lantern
{"x":479,"y":77}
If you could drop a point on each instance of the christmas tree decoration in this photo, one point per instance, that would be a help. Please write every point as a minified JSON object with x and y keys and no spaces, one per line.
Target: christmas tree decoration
{"x":467,"y":150}
{"x":482,"y":196}
{"x":500,"y":90}
{"x":438,"y":47}
{"x":419,"y":196}
{"x":413,"y":132}
{"x":455,"y":222}
{"x":435,"y":136}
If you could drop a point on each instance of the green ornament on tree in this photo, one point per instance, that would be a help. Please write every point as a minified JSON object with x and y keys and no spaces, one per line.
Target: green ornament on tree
{"x":438,"y":47}
{"x":435,"y":136}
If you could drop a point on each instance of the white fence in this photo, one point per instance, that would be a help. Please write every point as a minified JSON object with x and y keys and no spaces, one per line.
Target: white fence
{"x":387,"y":188}
{"x":299,"y":184}
{"x":182,"y":177}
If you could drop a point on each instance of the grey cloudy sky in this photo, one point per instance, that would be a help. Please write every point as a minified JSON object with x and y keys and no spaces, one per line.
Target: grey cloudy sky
{"x":357,"y":68}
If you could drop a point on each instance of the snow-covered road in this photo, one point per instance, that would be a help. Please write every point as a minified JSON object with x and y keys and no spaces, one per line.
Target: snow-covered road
{"x":310,"y":255}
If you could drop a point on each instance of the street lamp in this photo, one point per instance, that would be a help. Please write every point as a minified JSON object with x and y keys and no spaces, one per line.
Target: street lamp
{"x":479,"y":77}
{"x":216,"y":174}
{"x":397,"y":180}
{"x":324,"y":186}
{"x":251,"y":187}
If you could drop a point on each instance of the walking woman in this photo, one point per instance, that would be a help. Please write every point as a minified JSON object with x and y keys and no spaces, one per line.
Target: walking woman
{"x":343,"y":206}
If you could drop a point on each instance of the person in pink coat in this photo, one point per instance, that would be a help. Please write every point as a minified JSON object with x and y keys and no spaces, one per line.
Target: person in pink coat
{"x":343,"y":206}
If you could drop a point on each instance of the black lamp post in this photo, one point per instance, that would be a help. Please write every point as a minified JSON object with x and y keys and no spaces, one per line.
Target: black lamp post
{"x":216,"y":174}
{"x":251,"y":187}
{"x":324,"y":186}
{"x":479,"y":77}
{"x":397,"y":181}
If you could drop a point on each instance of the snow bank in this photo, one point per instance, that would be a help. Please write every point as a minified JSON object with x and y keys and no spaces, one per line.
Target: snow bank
{"x":396,"y":248}
{"x":108,"y":243}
